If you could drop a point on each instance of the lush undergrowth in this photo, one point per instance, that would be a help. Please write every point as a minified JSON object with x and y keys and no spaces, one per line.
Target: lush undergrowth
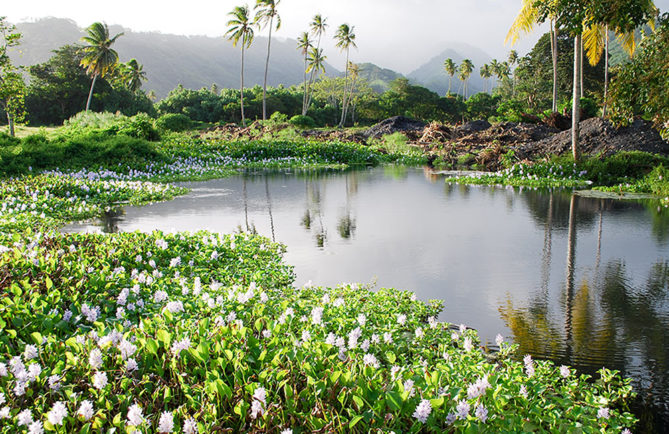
{"x":203,"y":333}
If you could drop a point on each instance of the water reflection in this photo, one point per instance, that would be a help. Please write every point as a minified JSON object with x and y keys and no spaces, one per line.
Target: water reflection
{"x":578,"y":280}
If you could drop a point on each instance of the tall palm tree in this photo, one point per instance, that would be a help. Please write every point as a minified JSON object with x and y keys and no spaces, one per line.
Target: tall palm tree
{"x":485,"y":75}
{"x":267,"y":15}
{"x":512,"y":61}
{"x":494,"y":70}
{"x":450,"y":67}
{"x":466,"y":68}
{"x":527,"y":19}
{"x":354,"y":72}
{"x":345,"y":40}
{"x":135,"y":75}
{"x":241,"y":28}
{"x":304,"y":44}
{"x":317,"y":29}
{"x":316,"y":60}
{"x":99,"y":58}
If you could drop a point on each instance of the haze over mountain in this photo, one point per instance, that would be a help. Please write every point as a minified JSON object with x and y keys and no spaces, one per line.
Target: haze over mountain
{"x":200,"y":61}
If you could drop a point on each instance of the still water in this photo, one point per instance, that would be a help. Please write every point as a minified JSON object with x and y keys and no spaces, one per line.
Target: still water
{"x":581,"y":281}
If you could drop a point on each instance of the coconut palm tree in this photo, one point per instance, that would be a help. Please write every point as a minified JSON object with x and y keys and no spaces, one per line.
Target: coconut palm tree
{"x":99,"y":58}
{"x":304,"y":44}
{"x":345,"y":40}
{"x":450,"y":67}
{"x":317,"y":29}
{"x":241,"y":28}
{"x":485,"y":75}
{"x":135,"y":75}
{"x":466,"y":68}
{"x":527,"y":19}
{"x":316,"y":61}
{"x":267,"y":15}
{"x":494,"y":70}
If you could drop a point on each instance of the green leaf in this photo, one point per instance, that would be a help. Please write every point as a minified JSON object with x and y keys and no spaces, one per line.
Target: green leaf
{"x":394,"y":401}
{"x":48,"y":282}
{"x":37,"y":338}
{"x":354,"y":421}
{"x":152,"y":346}
{"x":164,"y":337}
{"x":436,"y":403}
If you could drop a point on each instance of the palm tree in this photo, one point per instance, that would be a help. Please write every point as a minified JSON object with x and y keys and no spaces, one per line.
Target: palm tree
{"x":99,"y":58}
{"x":512,"y":60}
{"x":466,"y":68}
{"x":450,"y":67}
{"x":345,"y":40}
{"x":354,"y":72}
{"x":318,"y":27}
{"x":135,"y":75}
{"x":485,"y":75}
{"x":316,"y":61}
{"x":494,"y":70}
{"x":267,"y":14}
{"x":527,"y":19}
{"x":241,"y":28}
{"x":304,"y":44}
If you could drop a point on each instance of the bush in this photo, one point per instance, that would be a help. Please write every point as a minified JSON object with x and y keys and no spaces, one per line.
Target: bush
{"x":301,"y":121}
{"x":176,"y":122}
{"x":139,"y":126}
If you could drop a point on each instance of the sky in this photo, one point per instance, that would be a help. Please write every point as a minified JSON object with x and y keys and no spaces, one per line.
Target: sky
{"x":396,"y":34}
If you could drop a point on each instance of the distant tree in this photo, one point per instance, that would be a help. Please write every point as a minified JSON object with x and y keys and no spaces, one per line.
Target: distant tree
{"x":214,"y":89}
{"x":241,"y":28}
{"x":99,"y":58}
{"x":450,"y":67}
{"x":465,"y":71}
{"x":317,"y":28}
{"x":304,"y":44}
{"x":12,"y":87}
{"x":494,"y":70}
{"x":345,"y":38}
{"x":131,"y":75}
{"x":267,"y":15}
{"x":485,"y":74}
{"x":152,"y":95}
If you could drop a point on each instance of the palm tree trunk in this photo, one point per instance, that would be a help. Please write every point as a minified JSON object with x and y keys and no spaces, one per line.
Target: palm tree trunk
{"x":90,"y":93}
{"x":450,"y":77}
{"x":311,"y":79}
{"x":576,"y":103}
{"x":304,"y":90}
{"x":554,"y":52}
{"x":606,"y":69}
{"x":343,"y":103}
{"x":581,"y":77}
{"x":264,"y":86}
{"x":242,"y":88}
{"x":10,"y":124}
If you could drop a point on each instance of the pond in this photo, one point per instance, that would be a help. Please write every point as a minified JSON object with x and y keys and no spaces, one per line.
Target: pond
{"x":581,"y":281}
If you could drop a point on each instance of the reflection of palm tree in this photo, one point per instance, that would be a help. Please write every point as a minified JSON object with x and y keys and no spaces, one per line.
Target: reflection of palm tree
{"x":246,"y":203}
{"x":347,"y":224}
{"x":110,"y":220}
{"x":548,"y":241}
{"x":313,"y":198}
{"x":569,"y":290}
{"x":269,"y":208}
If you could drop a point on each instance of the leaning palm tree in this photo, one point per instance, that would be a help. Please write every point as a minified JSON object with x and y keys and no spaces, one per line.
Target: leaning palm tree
{"x":466,"y":68}
{"x":99,"y":58}
{"x":267,"y":15}
{"x":450,"y":67}
{"x":318,"y":27}
{"x":241,"y":28}
{"x":345,"y":40}
{"x":135,"y":75}
{"x":304,"y":44}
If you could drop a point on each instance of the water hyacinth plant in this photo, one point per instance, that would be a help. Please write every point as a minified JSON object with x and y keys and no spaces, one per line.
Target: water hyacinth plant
{"x":539,"y":175}
{"x":204,"y":333}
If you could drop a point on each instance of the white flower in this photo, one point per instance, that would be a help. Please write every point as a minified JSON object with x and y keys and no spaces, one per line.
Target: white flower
{"x":339,"y":302}
{"x":408,"y":387}
{"x":419,"y":333}
{"x":85,"y":410}
{"x":353,"y":337}
{"x":3,"y":370}
{"x":260,"y":394}
{"x":256,"y":409}
{"x":463,"y":328}
{"x":467,"y":345}
{"x":159,"y":296}
{"x":131,"y":365}
{"x":287,"y":431}
{"x":127,"y":349}
{"x":499,"y":339}
{"x":135,"y":416}
{"x":190,"y":426}
{"x":30,"y":352}
{"x":317,"y":316}
{"x":100,"y":380}
{"x":36,"y":428}
{"x":387,"y":337}
{"x":54,"y":383}
{"x":34,"y":371}
{"x":2,"y":398}
{"x":331,"y":338}
{"x":166,"y":423}
{"x":463,"y":408}
{"x":401,"y":319}
{"x":603,"y":413}
{"x":57,"y":414}
{"x":95,"y":359}
{"x":4,"y":413}
{"x":181,"y":345}
{"x":362,"y":319}
{"x":365,"y":345}
{"x":306,"y":335}
{"x":423,"y":411}
{"x":370,"y":360}
{"x":564,"y":371}
{"x":433,"y":322}
{"x":478,"y":388}
{"x":25,"y":418}
{"x":523,"y":391}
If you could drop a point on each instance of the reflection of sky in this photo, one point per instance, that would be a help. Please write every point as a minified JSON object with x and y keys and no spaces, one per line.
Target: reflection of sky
{"x":472,"y":247}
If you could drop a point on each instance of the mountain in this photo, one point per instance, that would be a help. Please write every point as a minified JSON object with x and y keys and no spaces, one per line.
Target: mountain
{"x":433,"y":76}
{"x":377,"y":77}
{"x":170,"y":60}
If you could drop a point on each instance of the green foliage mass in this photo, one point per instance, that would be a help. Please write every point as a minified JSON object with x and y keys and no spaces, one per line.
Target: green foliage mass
{"x":303,"y":121}
{"x":176,"y":122}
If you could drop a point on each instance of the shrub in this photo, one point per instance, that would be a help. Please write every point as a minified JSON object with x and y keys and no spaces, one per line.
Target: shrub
{"x":139,"y":126}
{"x":301,"y":121}
{"x":176,"y":122}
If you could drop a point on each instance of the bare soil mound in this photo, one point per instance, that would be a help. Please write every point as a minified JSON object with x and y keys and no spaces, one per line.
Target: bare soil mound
{"x":336,"y":135}
{"x":398,"y":124}
{"x":599,"y":137}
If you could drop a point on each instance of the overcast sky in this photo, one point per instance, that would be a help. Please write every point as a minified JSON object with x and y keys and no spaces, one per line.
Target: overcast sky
{"x":396,"y":34}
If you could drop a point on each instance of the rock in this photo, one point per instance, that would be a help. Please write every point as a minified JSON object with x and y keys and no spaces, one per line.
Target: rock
{"x":599,"y":137}
{"x":397,"y":124}
{"x":470,"y":128}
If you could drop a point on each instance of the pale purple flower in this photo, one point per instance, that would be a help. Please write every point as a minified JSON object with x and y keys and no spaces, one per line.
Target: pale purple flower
{"x":57,"y":414}
{"x":387,"y":337}
{"x":523,"y":391}
{"x":433,"y":322}
{"x":175,"y":306}
{"x":179,"y":346}
{"x":408,"y":387}
{"x":339,"y":302}
{"x":34,"y":371}
{"x":54,"y":383}
{"x":365,"y":345}
{"x":467,"y":345}
{"x":450,"y":418}
{"x":36,"y":428}
{"x":25,"y":418}
{"x":131,"y":365}
{"x":256,"y":410}
{"x":603,"y":413}
{"x":564,"y":371}
{"x":30,"y":352}
{"x":260,"y":394}
{"x":478,"y":388}
{"x":166,"y":423}
{"x":481,"y":412}
{"x":362,"y":320}
{"x":95,"y":359}
{"x":370,"y":360}
{"x":306,"y":335}
{"x":423,"y":411}
{"x":330,"y":339}
{"x":419,"y":333}
{"x":317,"y":316}
{"x":499,"y":340}
{"x":159,"y":296}
{"x":353,"y":337}
{"x":287,"y":431}
{"x":401,"y":319}
{"x":2,"y":398}
{"x":463,"y":408}
{"x":85,"y":410}
{"x":463,"y":328}
{"x":190,"y":426}
{"x":4,"y":413}
{"x":3,"y":370}
{"x":127,"y":349}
